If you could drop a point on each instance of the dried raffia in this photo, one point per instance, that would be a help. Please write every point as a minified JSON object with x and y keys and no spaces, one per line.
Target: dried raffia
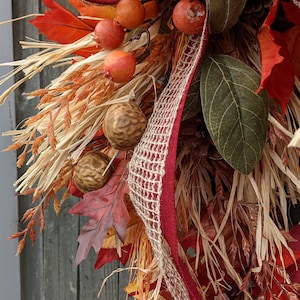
{"x":71,"y":101}
{"x":70,"y":139}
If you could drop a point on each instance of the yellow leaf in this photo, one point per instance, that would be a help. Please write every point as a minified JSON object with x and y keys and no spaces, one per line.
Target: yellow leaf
{"x":134,"y":228}
{"x":131,"y":288}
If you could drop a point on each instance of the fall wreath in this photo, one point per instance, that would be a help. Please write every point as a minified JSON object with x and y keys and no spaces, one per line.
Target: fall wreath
{"x":176,"y":122}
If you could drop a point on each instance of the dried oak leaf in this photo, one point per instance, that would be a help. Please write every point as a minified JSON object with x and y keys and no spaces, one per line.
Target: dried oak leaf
{"x":106,"y":209}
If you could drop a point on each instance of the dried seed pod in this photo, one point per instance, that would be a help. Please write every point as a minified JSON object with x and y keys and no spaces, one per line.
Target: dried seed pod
{"x":89,"y":172}
{"x":123,"y":125}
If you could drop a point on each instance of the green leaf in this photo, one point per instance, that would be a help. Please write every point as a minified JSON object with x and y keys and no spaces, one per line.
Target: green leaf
{"x":192,"y":103}
{"x":236,"y":117}
{"x":224,"y":14}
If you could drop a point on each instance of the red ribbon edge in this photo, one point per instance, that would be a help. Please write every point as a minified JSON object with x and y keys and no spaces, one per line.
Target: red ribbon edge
{"x":167,"y":206}
{"x":168,"y":211}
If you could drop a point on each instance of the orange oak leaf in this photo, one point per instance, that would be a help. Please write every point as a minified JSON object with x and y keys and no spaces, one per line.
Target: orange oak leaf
{"x":61,"y":25}
{"x":106,"y":209}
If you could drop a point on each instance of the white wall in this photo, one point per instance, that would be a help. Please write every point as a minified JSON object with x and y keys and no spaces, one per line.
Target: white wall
{"x":9,"y":263}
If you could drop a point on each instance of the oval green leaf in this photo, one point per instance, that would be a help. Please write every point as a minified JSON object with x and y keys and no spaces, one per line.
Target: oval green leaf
{"x":224,"y":14}
{"x":236,"y":117}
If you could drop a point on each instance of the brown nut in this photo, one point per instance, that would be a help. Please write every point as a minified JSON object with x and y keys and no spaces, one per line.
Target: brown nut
{"x":124,"y":125}
{"x":88,"y":173}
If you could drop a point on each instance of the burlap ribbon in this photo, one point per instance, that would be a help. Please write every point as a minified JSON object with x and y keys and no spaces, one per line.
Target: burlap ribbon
{"x":152,"y":171}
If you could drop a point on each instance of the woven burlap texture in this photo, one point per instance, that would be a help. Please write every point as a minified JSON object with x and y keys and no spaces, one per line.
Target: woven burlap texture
{"x":147,"y":166}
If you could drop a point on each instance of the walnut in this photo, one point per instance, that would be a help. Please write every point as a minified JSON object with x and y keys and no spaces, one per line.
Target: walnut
{"x":124,"y":125}
{"x":88,"y":173}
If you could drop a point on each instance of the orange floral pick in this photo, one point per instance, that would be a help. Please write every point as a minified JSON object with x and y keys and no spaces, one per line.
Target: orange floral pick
{"x":91,"y":11}
{"x":61,"y":25}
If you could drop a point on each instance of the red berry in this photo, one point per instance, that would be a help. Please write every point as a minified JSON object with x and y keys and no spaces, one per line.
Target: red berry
{"x":109,"y":34}
{"x":188,"y":16}
{"x":74,"y":190}
{"x":119,"y":65}
{"x":130,"y":13}
{"x":151,"y":9}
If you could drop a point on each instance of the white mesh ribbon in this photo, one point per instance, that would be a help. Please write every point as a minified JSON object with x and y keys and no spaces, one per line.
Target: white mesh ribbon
{"x":148,"y":163}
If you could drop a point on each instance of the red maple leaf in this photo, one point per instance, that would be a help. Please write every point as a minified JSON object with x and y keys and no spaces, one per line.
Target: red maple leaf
{"x":276,"y":60}
{"x":61,"y":25}
{"x":292,"y":36}
{"x":106,"y":209}
{"x":291,"y":12}
{"x":269,"y":49}
{"x":109,"y":254}
{"x":281,"y":87}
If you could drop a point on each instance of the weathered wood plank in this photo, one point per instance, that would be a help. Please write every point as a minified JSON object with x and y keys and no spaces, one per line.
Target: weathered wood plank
{"x":47,"y":268}
{"x":31,"y":259}
{"x":90,"y":280}
{"x":9,"y":263}
{"x":59,"y":253}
